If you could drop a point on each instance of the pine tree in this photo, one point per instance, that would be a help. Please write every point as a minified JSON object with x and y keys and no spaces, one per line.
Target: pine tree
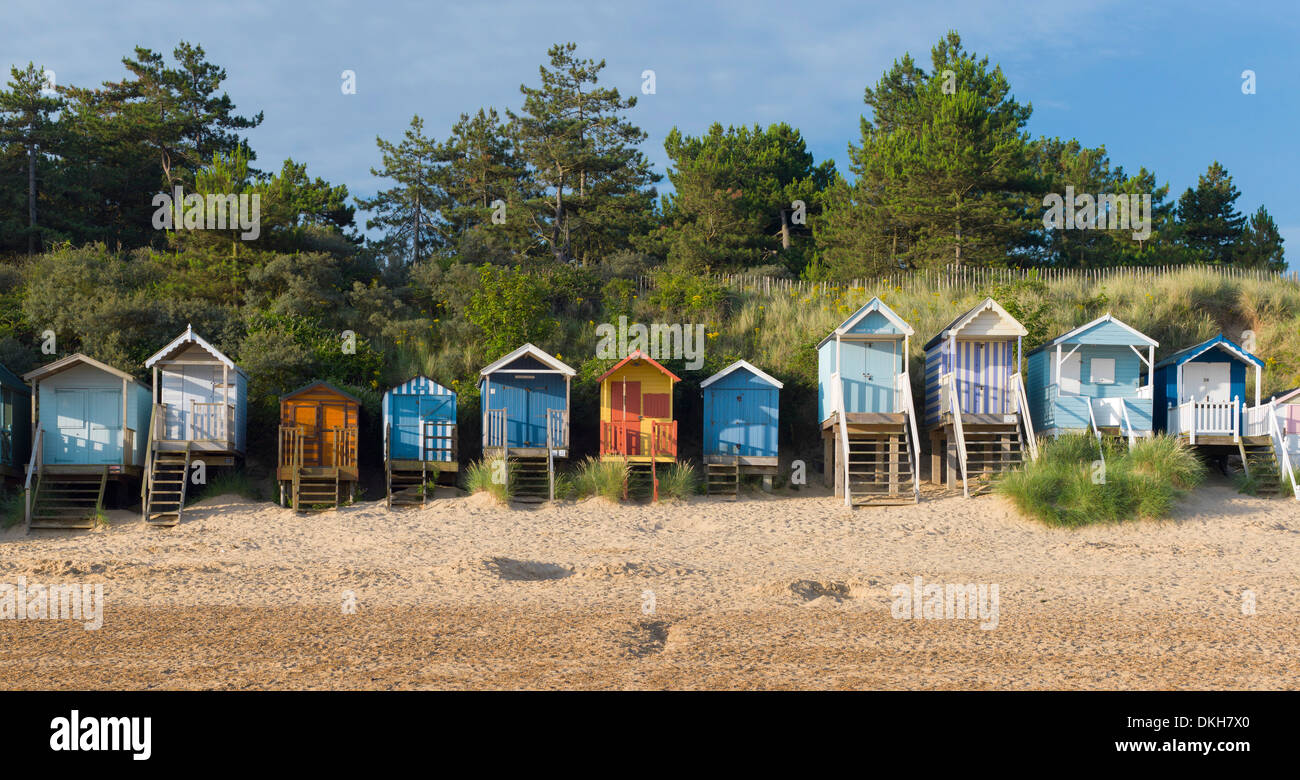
{"x":594,"y":184}
{"x":25,"y":124}
{"x":1210,"y":225}
{"x":1260,"y":245}
{"x":409,"y":212}
{"x":733,"y":192}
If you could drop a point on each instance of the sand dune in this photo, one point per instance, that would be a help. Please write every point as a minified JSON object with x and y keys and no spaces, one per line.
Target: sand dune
{"x":784,"y":591}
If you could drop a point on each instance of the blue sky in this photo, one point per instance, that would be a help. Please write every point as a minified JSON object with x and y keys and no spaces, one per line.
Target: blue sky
{"x":1158,"y":86}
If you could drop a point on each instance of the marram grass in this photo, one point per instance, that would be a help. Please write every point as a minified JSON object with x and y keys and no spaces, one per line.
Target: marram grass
{"x":595,"y":477}
{"x":1068,"y":487}
{"x":679,"y":480}
{"x":492,"y":476}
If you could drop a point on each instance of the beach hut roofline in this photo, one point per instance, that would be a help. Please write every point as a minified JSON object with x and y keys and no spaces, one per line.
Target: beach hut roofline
{"x":739,"y":364}
{"x":1065,"y":337}
{"x":639,"y":355}
{"x":320,"y":383}
{"x":71,"y":361}
{"x":411,"y":379}
{"x":875,"y":304}
{"x":964,"y":319}
{"x":1290,"y":395}
{"x":190,"y":337}
{"x":539,"y":354}
{"x":1220,"y":341}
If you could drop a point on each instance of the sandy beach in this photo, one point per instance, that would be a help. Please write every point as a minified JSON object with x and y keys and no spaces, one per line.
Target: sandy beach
{"x":784,"y":591}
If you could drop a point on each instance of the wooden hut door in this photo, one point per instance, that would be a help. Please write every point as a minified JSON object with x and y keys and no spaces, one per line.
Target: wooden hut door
{"x":307,"y":417}
{"x":334,"y":418}
{"x":625,"y":407}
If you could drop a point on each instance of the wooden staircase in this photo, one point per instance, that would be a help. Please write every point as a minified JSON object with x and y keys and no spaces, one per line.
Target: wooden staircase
{"x":530,"y":479}
{"x":68,"y":500}
{"x":166,"y":484}
{"x":1260,"y":459}
{"x":990,"y":450}
{"x":407,"y":487}
{"x":880,"y":467}
{"x":316,"y":490}
{"x":722,"y":479}
{"x":640,"y":482}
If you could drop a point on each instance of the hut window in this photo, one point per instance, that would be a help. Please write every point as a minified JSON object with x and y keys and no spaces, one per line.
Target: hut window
{"x":1102,"y":371}
{"x":657,"y":404}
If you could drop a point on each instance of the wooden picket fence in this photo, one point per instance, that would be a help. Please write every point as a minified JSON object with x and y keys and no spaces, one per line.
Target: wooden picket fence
{"x":966,"y":277}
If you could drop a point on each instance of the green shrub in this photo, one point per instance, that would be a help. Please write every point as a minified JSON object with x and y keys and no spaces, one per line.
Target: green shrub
{"x":11,"y":508}
{"x":1067,"y":487}
{"x":680,"y":480}
{"x":479,"y":478}
{"x":597,"y":477}
{"x":225,"y":483}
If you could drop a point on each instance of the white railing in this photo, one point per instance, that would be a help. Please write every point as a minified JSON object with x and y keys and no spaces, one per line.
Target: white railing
{"x":1259,"y":420}
{"x":1128,"y":424}
{"x":557,"y":429}
{"x":945,"y":403}
{"x":33,"y":470}
{"x":1092,"y":422}
{"x":959,"y":433}
{"x":1020,"y":401}
{"x":842,"y":423}
{"x":1212,"y":418}
{"x":903,"y":397}
{"x":1279,"y":442}
{"x":835,"y":402}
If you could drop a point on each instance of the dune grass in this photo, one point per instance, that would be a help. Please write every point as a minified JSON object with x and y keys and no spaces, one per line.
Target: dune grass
{"x":223,"y":483}
{"x":1070,"y":487}
{"x":11,"y":508}
{"x":492,"y":476}
{"x":595,"y":477}
{"x":680,"y":480}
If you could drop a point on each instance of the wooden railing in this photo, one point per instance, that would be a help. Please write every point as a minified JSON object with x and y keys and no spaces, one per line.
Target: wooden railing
{"x":1020,"y":403}
{"x":290,"y":446}
{"x":211,"y":421}
{"x":948,"y":382}
{"x":842,"y":440}
{"x":128,"y":447}
{"x":1215,"y":418}
{"x":342,"y":444}
{"x":33,"y":482}
{"x":494,"y":428}
{"x":557,"y":429}
{"x":625,"y":437}
{"x":1278,"y":434}
{"x":434,"y":444}
{"x":904,"y":397}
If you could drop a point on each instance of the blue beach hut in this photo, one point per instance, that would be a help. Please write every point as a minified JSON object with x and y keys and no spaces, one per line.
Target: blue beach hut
{"x":741,"y":413}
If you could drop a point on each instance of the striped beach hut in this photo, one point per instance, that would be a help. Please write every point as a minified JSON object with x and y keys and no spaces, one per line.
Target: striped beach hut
{"x":419,"y":438}
{"x":741,"y":411}
{"x":976,"y":410}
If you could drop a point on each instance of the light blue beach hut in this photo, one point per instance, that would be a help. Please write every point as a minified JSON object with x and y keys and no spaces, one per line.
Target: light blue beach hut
{"x":864,"y":404}
{"x":1092,"y":379}
{"x":741,"y":414}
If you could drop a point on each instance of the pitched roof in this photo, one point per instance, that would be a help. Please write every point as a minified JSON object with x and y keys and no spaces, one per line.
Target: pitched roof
{"x":8,"y":377}
{"x":873,"y":305}
{"x":420,"y":384}
{"x":528,"y":349}
{"x":190,"y":337}
{"x":1288,"y":396}
{"x":963,"y":319}
{"x":320,"y":383}
{"x":638,"y":355}
{"x":72,"y":361}
{"x":1064,"y":337}
{"x":745,"y":364}
{"x":1220,"y":341}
